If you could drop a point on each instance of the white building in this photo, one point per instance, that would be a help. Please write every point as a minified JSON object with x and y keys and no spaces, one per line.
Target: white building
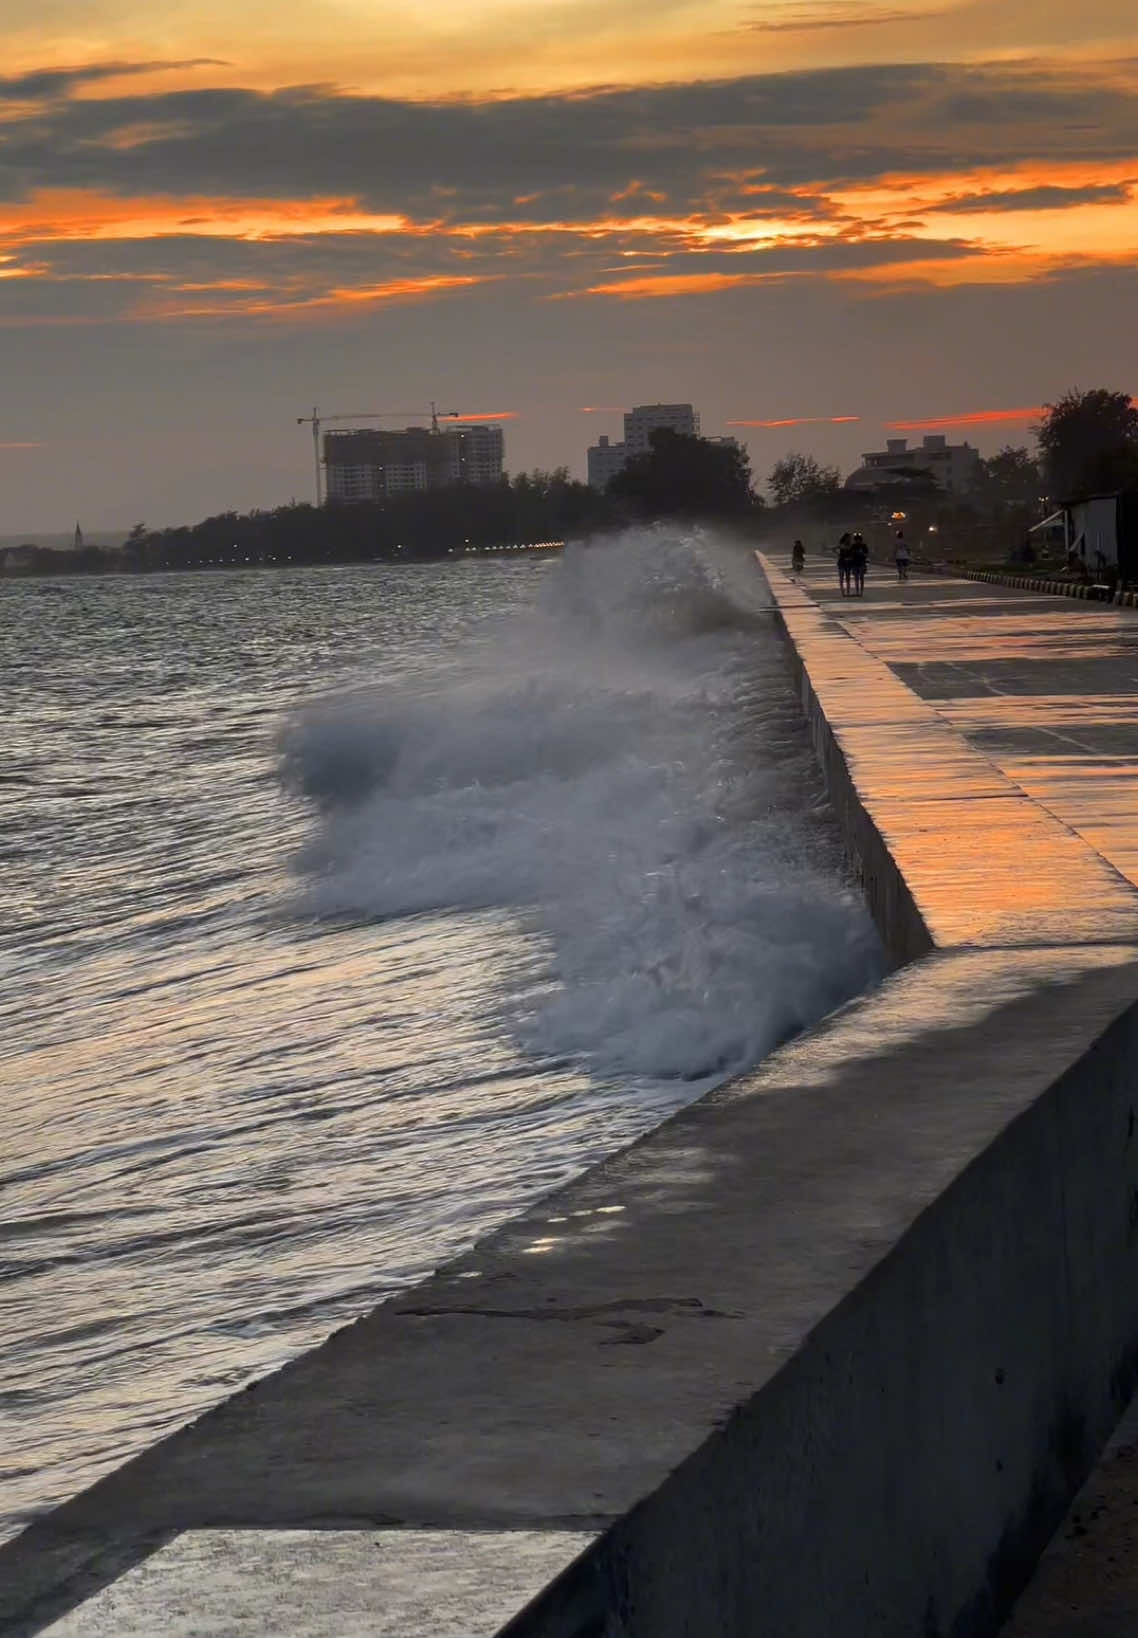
{"x":607,"y":459}
{"x":954,"y":467}
{"x":479,"y":451}
{"x":640,"y":423}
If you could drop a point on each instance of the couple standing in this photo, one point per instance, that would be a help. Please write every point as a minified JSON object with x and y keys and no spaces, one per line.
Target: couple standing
{"x":853,"y":559}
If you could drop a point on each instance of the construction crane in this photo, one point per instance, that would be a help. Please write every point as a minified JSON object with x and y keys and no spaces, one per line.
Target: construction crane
{"x":316,"y":421}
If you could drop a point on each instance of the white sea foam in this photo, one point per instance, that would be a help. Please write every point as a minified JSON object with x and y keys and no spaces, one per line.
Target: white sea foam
{"x":624,"y":767}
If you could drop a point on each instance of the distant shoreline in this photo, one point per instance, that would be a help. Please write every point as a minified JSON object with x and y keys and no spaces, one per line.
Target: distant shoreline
{"x":114,"y":567}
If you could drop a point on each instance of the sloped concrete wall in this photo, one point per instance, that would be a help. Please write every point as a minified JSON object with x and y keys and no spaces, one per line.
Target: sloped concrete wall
{"x":886,"y":892}
{"x":903,"y":1471}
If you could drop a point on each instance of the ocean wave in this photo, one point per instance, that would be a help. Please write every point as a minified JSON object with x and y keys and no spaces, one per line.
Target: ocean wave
{"x":625,"y":767}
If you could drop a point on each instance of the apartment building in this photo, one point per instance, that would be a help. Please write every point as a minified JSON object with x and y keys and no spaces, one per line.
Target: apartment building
{"x":606,"y":459}
{"x":955,"y":467}
{"x":367,"y":464}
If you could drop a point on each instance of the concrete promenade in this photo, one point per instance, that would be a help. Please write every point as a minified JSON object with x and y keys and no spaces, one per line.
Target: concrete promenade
{"x":830,"y":1351}
{"x":1052,"y":699}
{"x":1050,"y":696}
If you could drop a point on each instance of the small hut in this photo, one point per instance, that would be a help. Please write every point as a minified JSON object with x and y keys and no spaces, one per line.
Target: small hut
{"x":1101,"y":533}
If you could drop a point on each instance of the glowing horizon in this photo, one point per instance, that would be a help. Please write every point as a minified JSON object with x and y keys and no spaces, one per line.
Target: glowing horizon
{"x":763,"y":204}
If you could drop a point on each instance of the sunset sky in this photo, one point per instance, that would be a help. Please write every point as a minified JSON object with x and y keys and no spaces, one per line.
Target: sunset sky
{"x":215,"y":216}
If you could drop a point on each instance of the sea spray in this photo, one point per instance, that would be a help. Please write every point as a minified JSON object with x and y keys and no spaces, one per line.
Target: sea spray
{"x":625,"y":768}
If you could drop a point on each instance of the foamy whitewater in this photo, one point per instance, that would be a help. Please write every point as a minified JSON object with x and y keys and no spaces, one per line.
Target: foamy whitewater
{"x":345,"y":911}
{"x":624,"y":769}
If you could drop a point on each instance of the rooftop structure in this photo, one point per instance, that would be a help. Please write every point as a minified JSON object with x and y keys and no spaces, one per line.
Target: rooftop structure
{"x":955,"y":468}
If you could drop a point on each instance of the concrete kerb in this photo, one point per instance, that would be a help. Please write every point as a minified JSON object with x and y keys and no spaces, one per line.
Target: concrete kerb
{"x":1121,"y":598}
{"x":827,"y":1352}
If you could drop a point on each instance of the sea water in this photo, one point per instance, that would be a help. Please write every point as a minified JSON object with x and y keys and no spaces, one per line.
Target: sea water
{"x":343,"y":911}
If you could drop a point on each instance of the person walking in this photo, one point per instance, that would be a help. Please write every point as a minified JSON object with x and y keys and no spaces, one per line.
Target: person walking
{"x":845,"y":563}
{"x":901,"y":556}
{"x":859,"y":562}
{"x":798,"y":557}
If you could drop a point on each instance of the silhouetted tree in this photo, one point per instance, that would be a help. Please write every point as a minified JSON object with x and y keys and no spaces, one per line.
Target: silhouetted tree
{"x":800,"y":478}
{"x":1089,"y":441}
{"x":1011,"y":477}
{"x":418,"y":526}
{"x":682,"y":476}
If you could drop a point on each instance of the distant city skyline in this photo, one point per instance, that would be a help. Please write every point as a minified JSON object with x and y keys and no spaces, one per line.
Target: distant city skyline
{"x":988,"y":431}
{"x":789,"y":212}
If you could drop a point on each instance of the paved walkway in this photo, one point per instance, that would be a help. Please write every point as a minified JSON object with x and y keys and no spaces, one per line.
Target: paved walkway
{"x":1067,"y":735}
{"x":974,"y":723}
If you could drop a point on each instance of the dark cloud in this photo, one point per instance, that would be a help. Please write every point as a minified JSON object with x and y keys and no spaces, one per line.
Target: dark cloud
{"x":573,"y":152}
{"x":1042,"y":198}
{"x":1072,"y":103}
{"x":525,"y":181}
{"x":811,"y":19}
{"x":352,"y":259}
{"x":46,"y":83}
{"x":319,"y":261}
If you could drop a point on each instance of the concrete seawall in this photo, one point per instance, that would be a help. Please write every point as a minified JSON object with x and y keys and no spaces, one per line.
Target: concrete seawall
{"x":826,"y":1353}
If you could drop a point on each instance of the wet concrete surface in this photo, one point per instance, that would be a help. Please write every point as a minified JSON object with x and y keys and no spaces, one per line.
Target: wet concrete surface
{"x":1046,"y":689}
{"x":1048,"y":694}
{"x":988,"y":842}
{"x":713,"y":1343}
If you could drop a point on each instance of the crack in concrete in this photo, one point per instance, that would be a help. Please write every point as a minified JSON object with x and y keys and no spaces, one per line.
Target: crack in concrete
{"x":680,"y":1307}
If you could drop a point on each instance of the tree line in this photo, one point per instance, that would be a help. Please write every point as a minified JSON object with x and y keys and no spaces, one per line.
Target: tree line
{"x":1086,"y":441}
{"x":680,"y":477}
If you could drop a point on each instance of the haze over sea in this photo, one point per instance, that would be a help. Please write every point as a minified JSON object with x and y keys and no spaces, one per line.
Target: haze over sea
{"x":342,"y":912}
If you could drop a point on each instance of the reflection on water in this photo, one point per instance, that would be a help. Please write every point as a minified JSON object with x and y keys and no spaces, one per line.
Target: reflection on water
{"x":231,"y":1125}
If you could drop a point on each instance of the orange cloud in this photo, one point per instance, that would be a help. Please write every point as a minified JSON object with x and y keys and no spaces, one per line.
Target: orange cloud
{"x":337,"y":300}
{"x":482,"y":415}
{"x":63,"y":216}
{"x":800,"y":421}
{"x":987,"y":265}
{"x":974,"y":419}
{"x":499,"y":48}
{"x":189,"y":286}
{"x":657,"y":285}
{"x":987,"y":246}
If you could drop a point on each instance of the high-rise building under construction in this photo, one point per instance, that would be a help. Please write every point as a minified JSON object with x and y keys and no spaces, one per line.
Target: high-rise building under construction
{"x":370,"y":464}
